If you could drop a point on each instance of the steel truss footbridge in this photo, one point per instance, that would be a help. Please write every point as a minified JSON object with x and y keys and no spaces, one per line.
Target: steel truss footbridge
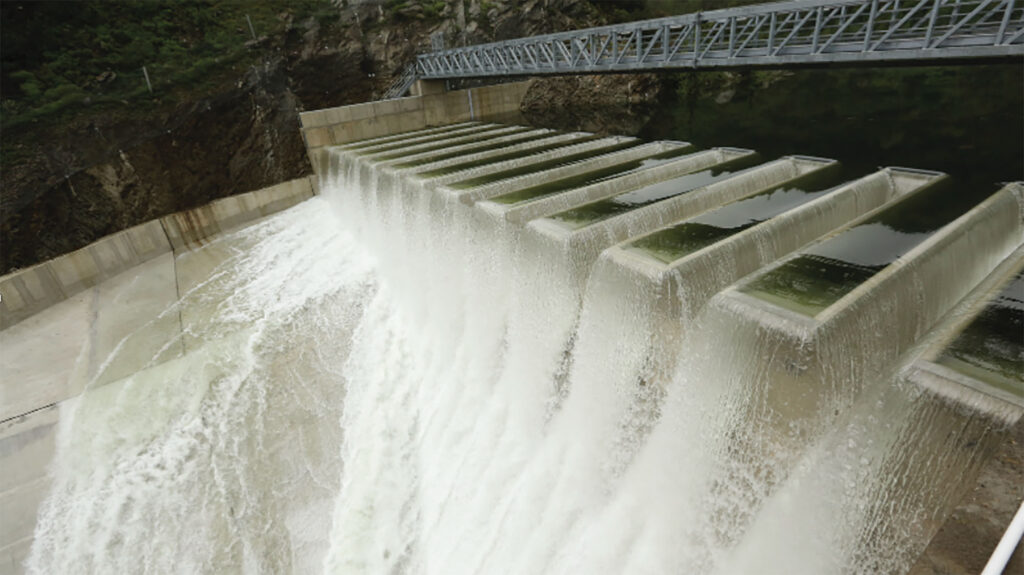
{"x":780,"y":34}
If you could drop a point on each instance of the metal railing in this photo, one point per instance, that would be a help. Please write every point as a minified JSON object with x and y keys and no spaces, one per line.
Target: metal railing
{"x":799,"y":32}
{"x":401,"y":85}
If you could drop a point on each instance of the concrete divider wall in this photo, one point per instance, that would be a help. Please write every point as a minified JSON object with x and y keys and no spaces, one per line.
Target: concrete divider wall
{"x":344,"y":124}
{"x":26,"y":292}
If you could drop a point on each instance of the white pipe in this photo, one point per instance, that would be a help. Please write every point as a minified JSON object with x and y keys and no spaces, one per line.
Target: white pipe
{"x":1001,"y":556}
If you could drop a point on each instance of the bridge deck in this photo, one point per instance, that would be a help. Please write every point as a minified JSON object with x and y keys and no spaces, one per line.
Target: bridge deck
{"x":795,"y":33}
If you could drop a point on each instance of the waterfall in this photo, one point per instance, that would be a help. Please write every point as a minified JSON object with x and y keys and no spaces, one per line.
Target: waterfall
{"x":406,"y":375}
{"x":223,"y":458}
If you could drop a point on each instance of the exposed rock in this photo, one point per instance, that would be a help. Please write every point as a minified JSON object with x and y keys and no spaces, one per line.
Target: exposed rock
{"x":725,"y":96}
{"x":124,"y":167}
{"x":242,"y":140}
{"x":606,"y":104}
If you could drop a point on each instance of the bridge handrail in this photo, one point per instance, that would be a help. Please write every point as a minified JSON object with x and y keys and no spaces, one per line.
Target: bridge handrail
{"x":813,"y":30}
{"x":402,"y":83}
{"x":681,"y":19}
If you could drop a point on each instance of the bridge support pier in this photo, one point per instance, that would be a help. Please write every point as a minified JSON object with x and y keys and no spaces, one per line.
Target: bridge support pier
{"x":428,"y":87}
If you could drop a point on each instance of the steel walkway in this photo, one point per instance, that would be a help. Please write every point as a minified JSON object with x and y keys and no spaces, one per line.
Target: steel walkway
{"x":782,"y":34}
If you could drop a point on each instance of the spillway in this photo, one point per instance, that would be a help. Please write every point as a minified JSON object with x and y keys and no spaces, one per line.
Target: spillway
{"x":489,"y":348}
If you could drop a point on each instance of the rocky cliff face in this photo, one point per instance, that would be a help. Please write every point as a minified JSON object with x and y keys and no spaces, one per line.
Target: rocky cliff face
{"x":105,"y":171}
{"x":609,"y":104}
{"x":116,"y":177}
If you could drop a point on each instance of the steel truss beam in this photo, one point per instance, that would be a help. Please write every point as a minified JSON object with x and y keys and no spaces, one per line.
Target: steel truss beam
{"x":798,"y":32}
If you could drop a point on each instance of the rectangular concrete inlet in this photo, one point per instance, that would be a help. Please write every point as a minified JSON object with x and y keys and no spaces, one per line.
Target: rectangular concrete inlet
{"x":509,"y":156}
{"x":445,"y":145}
{"x":650,"y":172}
{"x":583,"y":180}
{"x":585,"y":243}
{"x":827,"y":271}
{"x":549,"y":171}
{"x":820,"y":362}
{"x":984,"y":360}
{"x":962,"y":410}
{"x":532,"y":168}
{"x":892,"y":468}
{"x":404,"y":136}
{"x":587,"y":214}
{"x":502,"y":143}
{"x":435,"y":170}
{"x":581,"y":144}
{"x":432,"y":138}
{"x":680,"y":275}
{"x":697,"y":233}
{"x":360,"y":174}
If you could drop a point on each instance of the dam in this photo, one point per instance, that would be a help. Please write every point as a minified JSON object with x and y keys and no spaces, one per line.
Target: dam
{"x":473,"y":346}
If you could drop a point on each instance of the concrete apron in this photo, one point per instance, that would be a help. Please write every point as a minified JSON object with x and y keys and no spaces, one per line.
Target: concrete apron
{"x":63,"y":319}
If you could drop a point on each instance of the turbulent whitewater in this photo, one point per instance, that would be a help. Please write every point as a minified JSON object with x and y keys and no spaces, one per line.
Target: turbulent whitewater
{"x":381,"y":380}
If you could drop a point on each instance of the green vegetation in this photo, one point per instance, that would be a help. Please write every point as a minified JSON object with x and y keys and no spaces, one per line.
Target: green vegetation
{"x":404,"y":10}
{"x":61,"y":56}
{"x":629,"y":10}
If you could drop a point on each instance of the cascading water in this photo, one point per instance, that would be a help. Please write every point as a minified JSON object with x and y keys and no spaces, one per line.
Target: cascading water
{"x":381,"y":380}
{"x":224,"y":458}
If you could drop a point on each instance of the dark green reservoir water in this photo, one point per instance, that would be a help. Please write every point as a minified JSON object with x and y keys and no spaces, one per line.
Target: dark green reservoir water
{"x":542,"y":166}
{"x":966,"y":120}
{"x":825,"y":272}
{"x":476,"y":150}
{"x":588,"y":214}
{"x":504,"y":157}
{"x":697,"y":233}
{"x":593,"y":177}
{"x":991,"y":347}
{"x":489,"y":135}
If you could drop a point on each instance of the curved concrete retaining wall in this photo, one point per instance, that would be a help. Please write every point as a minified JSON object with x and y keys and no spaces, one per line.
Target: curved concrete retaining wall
{"x":54,"y":337}
{"x":26,"y":292}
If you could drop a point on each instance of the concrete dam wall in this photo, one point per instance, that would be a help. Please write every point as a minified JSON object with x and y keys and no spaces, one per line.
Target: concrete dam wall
{"x":470,"y":346}
{"x":699,"y":256}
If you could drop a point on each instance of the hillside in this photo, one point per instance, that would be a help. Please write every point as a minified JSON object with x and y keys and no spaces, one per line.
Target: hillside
{"x":88,"y":149}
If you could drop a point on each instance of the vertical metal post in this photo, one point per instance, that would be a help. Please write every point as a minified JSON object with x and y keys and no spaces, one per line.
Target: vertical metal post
{"x":615,"y":46}
{"x":639,"y":43}
{"x":472,"y":112}
{"x":771,"y":33}
{"x":1006,"y":22}
{"x":664,"y":42}
{"x":148,"y":84}
{"x":251,"y":29}
{"x":931,"y":23}
{"x":732,"y":35}
{"x":696,"y":39}
{"x":817,"y":31}
{"x":871,"y":24}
